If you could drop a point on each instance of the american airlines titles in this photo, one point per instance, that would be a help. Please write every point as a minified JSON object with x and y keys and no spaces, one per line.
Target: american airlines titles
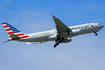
{"x":81,"y":27}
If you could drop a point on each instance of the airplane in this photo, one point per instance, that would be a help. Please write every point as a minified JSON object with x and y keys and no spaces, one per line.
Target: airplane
{"x":62,"y":33}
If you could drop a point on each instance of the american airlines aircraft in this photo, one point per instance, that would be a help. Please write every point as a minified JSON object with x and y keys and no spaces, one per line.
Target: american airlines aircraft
{"x":62,"y":33}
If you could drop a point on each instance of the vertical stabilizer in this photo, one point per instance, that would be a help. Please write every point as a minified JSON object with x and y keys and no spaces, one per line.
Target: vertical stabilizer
{"x":12,"y":30}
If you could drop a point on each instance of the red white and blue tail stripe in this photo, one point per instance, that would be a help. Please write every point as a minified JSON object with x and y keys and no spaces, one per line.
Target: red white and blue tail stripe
{"x":11,"y":30}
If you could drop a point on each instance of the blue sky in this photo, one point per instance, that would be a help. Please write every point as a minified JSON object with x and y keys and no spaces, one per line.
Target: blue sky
{"x":85,"y":52}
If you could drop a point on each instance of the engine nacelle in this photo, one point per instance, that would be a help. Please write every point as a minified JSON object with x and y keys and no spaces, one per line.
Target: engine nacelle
{"x":66,"y":40}
{"x":75,"y":31}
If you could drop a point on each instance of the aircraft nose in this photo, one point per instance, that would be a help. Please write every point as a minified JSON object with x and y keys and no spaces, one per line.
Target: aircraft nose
{"x":102,"y":26}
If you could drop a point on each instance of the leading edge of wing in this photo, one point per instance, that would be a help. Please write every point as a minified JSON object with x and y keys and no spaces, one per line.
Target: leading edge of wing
{"x":60,"y":27}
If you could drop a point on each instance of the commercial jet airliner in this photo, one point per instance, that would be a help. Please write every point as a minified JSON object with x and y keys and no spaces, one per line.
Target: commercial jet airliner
{"x":62,"y":33}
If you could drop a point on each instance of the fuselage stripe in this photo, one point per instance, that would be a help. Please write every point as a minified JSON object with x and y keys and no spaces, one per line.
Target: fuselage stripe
{"x":24,"y":37}
{"x":19,"y":34}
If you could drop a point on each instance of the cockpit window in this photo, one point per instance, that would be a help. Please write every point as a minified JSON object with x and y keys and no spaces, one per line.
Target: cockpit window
{"x":99,"y":24}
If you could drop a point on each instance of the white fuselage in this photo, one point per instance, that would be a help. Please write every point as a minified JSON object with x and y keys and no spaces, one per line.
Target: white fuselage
{"x":50,"y":35}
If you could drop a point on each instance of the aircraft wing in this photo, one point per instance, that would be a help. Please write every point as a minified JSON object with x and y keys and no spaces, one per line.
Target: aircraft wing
{"x":36,"y":42}
{"x":32,"y":42}
{"x":61,"y":28}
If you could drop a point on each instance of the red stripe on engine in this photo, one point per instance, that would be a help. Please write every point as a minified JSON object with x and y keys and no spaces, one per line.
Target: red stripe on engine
{"x":10,"y":32}
{"x":5,"y":26}
{"x":19,"y":34}
{"x":24,"y":37}
{"x":3,"y":23}
{"x":7,"y":29}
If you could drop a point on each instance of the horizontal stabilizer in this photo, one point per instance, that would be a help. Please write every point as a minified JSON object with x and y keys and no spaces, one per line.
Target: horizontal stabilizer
{"x":6,"y":41}
{"x":9,"y":39}
{"x":13,"y":36}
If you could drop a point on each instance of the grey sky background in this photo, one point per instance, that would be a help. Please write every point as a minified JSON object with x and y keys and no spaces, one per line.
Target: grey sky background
{"x":85,"y":52}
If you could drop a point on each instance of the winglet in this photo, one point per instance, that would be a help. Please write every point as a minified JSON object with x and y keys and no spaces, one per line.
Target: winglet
{"x":53,"y":17}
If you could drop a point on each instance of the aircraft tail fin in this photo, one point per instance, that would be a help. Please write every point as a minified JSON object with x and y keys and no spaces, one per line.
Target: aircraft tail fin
{"x":13,"y":32}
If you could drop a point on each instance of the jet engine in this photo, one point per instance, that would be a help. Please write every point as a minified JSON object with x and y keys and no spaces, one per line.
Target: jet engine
{"x":66,"y":40}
